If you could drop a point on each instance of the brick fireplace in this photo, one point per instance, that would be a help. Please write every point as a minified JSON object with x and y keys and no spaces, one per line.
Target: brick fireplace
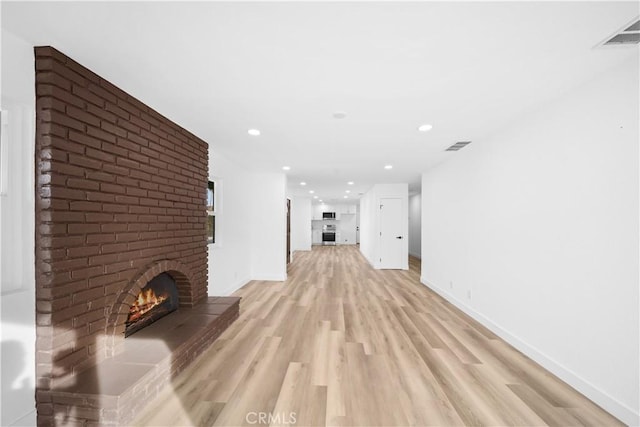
{"x":119,"y":199}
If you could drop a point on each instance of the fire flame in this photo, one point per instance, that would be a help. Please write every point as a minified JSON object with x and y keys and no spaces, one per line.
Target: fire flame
{"x":146,"y":300}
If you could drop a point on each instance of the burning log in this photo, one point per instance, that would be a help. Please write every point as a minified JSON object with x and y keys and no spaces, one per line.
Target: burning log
{"x":145,"y":302}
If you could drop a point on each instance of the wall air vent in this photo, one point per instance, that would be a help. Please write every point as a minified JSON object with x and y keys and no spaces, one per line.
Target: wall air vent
{"x":629,"y":35}
{"x":458,"y":145}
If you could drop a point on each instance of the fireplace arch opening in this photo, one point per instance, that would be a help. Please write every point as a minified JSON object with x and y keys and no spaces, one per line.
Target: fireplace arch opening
{"x":158,"y":298}
{"x":118,"y":313}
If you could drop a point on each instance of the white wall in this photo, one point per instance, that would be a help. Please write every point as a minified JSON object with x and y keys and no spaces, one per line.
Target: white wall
{"x":370,"y":220}
{"x":537,"y":229}
{"x":230,"y":257}
{"x":368,"y":227}
{"x":17,"y":273}
{"x":415,"y":229}
{"x":300,"y":224}
{"x":358,"y":223}
{"x":347,"y":229}
{"x":250,"y":226}
{"x":269,"y":227}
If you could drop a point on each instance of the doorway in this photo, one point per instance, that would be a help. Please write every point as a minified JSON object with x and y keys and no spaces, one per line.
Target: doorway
{"x":391,"y":234}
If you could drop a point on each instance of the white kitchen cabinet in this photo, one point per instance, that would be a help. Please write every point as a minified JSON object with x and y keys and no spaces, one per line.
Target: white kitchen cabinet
{"x":348,"y":209}
{"x":344,"y":209}
{"x":316,"y":237}
{"x":317,"y":212}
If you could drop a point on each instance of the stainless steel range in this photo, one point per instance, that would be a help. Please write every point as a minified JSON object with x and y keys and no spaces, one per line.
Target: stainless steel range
{"x":329,"y":234}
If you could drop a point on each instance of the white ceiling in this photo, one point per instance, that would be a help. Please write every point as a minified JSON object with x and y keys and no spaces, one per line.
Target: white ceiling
{"x":219,"y":69}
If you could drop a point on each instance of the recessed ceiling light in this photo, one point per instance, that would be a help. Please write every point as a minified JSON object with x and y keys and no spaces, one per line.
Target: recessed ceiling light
{"x":311,"y":191}
{"x":286,"y":168}
{"x":320,"y":200}
{"x":253,"y":132}
{"x":303,"y":183}
{"x":388,"y":167}
{"x":425,"y":128}
{"x":350,"y":183}
{"x":339,"y":115}
{"x":347,"y":191}
{"x":346,"y":197}
{"x":315,"y":197}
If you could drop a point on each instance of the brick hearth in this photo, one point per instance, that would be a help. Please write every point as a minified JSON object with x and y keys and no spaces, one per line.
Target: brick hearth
{"x":113,"y":392}
{"x":120,"y":198}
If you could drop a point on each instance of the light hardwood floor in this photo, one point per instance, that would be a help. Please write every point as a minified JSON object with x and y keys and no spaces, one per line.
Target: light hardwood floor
{"x":342,"y":344}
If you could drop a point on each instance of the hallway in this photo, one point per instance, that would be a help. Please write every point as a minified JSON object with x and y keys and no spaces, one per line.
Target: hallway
{"x":340,"y":343}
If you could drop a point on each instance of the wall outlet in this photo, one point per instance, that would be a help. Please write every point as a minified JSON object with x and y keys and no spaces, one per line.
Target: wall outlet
{"x":469,"y":294}
{"x":451,"y":284}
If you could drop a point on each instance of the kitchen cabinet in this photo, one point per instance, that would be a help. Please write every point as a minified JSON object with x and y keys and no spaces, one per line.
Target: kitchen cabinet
{"x":338,"y":209}
{"x":319,"y":209}
{"x":348,"y":209}
{"x":316,"y":237}
{"x":344,"y":209}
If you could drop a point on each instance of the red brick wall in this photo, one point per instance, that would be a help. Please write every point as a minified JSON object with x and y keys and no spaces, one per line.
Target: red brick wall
{"x":120,"y":189}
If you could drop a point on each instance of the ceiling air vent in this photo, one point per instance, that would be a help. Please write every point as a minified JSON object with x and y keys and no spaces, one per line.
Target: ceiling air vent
{"x":630,"y":35}
{"x":458,"y":145}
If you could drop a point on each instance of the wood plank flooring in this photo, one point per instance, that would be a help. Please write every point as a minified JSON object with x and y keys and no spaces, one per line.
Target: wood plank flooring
{"x":342,"y":344}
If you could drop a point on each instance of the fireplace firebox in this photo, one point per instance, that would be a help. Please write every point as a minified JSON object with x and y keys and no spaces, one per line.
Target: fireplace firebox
{"x":157,"y":299}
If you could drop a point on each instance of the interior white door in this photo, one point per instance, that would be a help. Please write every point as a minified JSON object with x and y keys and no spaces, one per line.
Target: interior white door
{"x":391,"y":234}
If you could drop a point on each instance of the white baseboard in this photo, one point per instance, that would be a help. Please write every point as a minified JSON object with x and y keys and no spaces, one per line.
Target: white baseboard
{"x":271,"y":278}
{"x":607,"y":402}
{"x":372,"y":264}
{"x":229,"y":290}
{"x":305,"y":249}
